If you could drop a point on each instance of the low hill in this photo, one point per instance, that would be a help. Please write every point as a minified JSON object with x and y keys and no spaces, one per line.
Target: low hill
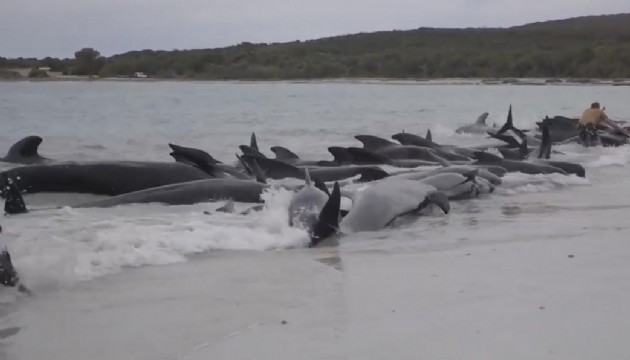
{"x":584,"y":47}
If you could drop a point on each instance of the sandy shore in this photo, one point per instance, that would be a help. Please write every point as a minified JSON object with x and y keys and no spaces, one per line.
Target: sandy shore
{"x":561,"y":299}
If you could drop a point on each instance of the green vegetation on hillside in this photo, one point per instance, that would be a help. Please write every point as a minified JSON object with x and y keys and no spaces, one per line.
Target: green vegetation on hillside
{"x":586,"y":47}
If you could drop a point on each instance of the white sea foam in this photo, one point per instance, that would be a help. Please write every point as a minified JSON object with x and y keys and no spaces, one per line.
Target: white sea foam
{"x":514,"y":183}
{"x":65,"y":245}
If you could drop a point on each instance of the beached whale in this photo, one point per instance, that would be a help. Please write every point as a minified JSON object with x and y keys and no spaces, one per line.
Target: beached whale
{"x":275,"y":169}
{"x":402,"y":152}
{"x":484,"y":158}
{"x":478,"y":127}
{"x":101,"y":178}
{"x":205,"y":162}
{"x":287,"y":156}
{"x":417,"y":140}
{"x":542,"y":154}
{"x":188,"y":193}
{"x":363,"y":156}
{"x":379,"y":204}
{"x":25,"y":152}
{"x":455,"y":186}
{"x":313,"y":210}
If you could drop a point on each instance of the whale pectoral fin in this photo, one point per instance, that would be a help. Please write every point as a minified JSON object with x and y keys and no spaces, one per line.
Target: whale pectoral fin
{"x":328,"y":221}
{"x":240,"y":159}
{"x":227,"y":208}
{"x":253,"y":208}
{"x":14,"y":202}
{"x":321,"y":186}
{"x":258,"y":172}
{"x":471,"y":176}
{"x":442,"y":161}
{"x":523,"y":150}
{"x":440,"y":199}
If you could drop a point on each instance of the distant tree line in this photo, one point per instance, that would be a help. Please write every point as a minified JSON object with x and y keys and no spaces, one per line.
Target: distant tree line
{"x":587,"y":47}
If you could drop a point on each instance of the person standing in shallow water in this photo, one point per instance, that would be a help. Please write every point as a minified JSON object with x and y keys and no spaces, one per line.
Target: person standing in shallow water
{"x":590,"y":120}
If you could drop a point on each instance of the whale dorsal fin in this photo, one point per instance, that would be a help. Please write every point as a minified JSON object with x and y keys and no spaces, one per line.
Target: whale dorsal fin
{"x":481,"y":120}
{"x":429,"y":136}
{"x":509,"y":123}
{"x":248,"y":150}
{"x":340,"y":154}
{"x":371,"y":142}
{"x":283,"y":153}
{"x":26,"y":147}
{"x":253,"y":143}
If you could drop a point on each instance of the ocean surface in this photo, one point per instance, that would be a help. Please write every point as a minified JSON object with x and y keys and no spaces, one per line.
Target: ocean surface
{"x":168,"y":282}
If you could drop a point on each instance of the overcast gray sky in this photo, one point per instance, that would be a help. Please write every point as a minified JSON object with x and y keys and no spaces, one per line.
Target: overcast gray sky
{"x":38,"y":28}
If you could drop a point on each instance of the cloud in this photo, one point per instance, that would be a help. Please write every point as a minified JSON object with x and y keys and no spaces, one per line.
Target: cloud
{"x":58,"y":28}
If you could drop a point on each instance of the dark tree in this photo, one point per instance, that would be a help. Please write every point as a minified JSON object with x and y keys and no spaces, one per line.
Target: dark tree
{"x":88,"y":61}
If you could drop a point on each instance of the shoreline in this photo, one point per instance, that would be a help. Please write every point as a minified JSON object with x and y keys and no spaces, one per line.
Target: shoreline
{"x":376,"y":81}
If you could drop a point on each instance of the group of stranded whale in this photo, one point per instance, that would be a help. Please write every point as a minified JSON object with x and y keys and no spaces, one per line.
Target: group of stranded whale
{"x":377,"y":196}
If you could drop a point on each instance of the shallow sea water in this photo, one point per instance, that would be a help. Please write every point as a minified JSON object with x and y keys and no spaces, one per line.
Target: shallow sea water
{"x":153,"y":254}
